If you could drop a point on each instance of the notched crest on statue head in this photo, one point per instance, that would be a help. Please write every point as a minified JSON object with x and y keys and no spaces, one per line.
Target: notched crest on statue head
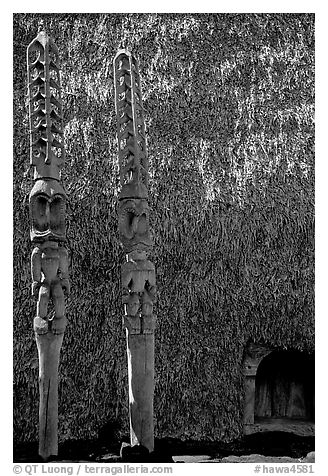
{"x":47,"y":152}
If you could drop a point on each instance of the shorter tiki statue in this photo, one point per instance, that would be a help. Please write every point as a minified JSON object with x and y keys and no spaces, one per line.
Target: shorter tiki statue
{"x":137,"y":273}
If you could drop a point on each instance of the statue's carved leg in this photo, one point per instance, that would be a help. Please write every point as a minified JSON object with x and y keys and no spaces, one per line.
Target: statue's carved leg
{"x":59,"y":322}
{"x":132,"y":323}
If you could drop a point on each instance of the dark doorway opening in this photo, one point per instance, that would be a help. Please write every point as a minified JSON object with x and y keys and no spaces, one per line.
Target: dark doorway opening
{"x":284,"y":387}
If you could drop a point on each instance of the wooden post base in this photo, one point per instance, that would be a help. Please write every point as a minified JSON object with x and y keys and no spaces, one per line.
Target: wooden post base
{"x":49,"y":346}
{"x":140,"y":352}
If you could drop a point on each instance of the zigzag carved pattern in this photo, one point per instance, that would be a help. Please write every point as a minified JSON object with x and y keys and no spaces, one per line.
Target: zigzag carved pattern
{"x":45,"y":106}
{"x":130,"y":120}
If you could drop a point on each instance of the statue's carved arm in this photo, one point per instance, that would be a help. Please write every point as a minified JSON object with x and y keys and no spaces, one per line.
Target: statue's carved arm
{"x":150,"y":285}
{"x":36,"y":271}
{"x":63,"y":267}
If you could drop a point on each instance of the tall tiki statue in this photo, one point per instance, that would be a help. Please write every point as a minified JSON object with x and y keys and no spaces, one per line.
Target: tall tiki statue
{"x":47,"y":203}
{"x":137,"y":273}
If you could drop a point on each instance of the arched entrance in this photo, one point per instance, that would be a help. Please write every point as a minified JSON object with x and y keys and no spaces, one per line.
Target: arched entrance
{"x":279,"y":391}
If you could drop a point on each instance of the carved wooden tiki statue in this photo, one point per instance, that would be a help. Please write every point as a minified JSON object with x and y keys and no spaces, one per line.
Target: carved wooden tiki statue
{"x":138,"y":273}
{"x":49,"y":260}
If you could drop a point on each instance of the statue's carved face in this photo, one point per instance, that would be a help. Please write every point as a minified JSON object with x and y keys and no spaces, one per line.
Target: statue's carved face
{"x":47,"y":211}
{"x":134,"y":224}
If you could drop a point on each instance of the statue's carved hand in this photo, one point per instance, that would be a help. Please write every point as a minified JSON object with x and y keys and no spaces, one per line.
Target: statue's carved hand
{"x":66,"y":286}
{"x":152,"y":290}
{"x":125,"y":295}
{"x":35,"y":288}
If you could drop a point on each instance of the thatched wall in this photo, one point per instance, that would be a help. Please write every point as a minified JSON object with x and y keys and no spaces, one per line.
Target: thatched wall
{"x":229,"y":105}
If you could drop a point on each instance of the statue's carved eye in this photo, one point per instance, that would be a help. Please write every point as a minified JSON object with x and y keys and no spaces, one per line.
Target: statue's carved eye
{"x":57,"y":214}
{"x":39,"y":214}
{"x":126,"y":223}
{"x":129,"y":218}
{"x":142,"y":224}
{"x":41,"y":206}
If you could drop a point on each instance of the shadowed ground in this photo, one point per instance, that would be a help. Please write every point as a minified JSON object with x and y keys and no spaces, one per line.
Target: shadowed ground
{"x":274,"y":444}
